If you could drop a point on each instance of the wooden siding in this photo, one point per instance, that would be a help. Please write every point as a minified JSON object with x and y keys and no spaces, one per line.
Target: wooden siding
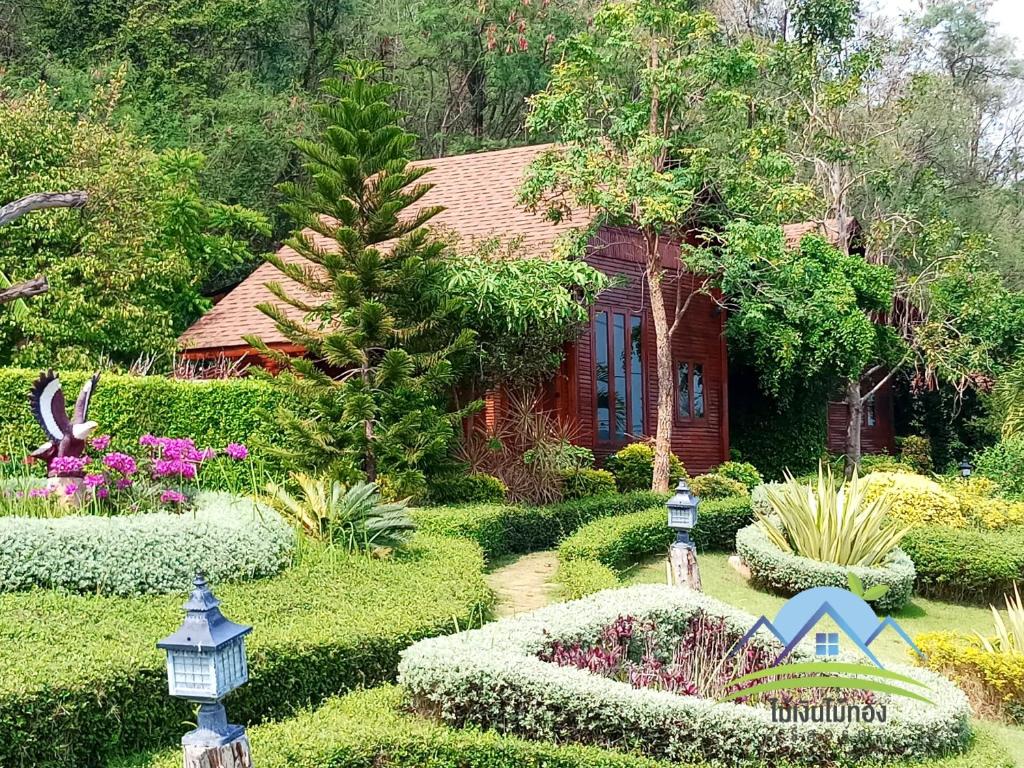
{"x":702,"y":443}
{"x":881,"y":438}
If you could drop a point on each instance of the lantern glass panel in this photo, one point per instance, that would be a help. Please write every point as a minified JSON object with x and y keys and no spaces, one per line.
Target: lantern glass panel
{"x":680,"y":518}
{"x":191,"y":674}
{"x":232,"y":669}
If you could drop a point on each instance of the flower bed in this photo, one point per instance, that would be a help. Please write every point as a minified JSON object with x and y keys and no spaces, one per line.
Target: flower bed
{"x":787,"y":574}
{"x":494,"y":677}
{"x":81,"y":679}
{"x":229,"y":537}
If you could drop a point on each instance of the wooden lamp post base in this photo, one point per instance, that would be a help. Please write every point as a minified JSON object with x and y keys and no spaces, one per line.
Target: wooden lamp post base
{"x":682,"y":566}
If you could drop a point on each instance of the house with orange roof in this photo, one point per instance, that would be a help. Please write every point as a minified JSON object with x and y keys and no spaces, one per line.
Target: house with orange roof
{"x":606,"y":387}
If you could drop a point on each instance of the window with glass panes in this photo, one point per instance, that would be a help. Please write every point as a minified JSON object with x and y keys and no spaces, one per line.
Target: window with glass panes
{"x":618,"y":374}
{"x":690,"y":390}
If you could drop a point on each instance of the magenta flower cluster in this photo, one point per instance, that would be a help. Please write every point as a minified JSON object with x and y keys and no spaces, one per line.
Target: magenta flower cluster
{"x":121,"y":462}
{"x":68,"y":465}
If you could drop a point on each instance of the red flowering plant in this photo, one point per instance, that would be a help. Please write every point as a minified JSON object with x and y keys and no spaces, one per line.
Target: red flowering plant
{"x":695,"y":662}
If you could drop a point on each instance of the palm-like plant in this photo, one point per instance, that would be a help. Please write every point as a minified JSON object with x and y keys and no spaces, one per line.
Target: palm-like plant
{"x":1008,"y":399}
{"x":1009,"y":635}
{"x":351,"y":517}
{"x":830,"y":522}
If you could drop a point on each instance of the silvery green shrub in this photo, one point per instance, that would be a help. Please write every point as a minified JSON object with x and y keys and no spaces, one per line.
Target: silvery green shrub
{"x":229,"y":537}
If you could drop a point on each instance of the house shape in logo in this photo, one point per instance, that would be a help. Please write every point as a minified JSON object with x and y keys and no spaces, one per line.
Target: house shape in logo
{"x":799,"y":616}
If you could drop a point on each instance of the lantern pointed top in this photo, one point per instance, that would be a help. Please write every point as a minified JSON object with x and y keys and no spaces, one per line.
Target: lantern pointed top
{"x":201,"y":598}
{"x":205,"y":628}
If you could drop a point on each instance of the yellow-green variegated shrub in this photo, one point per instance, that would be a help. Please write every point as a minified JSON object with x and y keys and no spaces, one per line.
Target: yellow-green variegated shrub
{"x":994,"y":680}
{"x":914,"y":500}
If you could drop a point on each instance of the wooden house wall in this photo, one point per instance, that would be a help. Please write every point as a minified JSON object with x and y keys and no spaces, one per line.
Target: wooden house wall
{"x":880,"y":438}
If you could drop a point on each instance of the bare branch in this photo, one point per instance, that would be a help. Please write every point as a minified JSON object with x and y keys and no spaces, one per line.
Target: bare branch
{"x":41,"y":200}
{"x":33,"y":287}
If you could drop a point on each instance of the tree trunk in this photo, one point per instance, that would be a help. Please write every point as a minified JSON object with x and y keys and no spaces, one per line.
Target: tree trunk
{"x":40,"y":200}
{"x":855,"y":408}
{"x":666,"y":376}
{"x":27,"y":289}
{"x":235,"y":754}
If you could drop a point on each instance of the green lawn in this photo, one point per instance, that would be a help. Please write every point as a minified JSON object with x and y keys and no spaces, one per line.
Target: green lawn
{"x":720,"y":580}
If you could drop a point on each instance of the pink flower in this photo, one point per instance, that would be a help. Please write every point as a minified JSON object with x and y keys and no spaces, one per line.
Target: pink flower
{"x":122,"y":483}
{"x":96,"y":480}
{"x":68,"y":465}
{"x":39,"y":493}
{"x":121,"y":462}
{"x":236,"y":451}
{"x":70,"y":489}
{"x":149,"y":440}
{"x":100,"y":442}
{"x":102,"y":493}
{"x":172,"y":496}
{"x":174,"y":467}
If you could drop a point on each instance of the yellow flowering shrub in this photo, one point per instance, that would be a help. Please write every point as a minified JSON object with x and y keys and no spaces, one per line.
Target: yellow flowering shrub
{"x":993,"y":681}
{"x":916,"y":500}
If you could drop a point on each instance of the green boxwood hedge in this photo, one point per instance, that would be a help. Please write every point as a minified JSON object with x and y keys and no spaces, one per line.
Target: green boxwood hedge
{"x":81,"y":678}
{"x":504,"y":529}
{"x":228,"y":537}
{"x":369,"y":729}
{"x":966,"y":564}
{"x":213,"y":413}
{"x":787,"y":574}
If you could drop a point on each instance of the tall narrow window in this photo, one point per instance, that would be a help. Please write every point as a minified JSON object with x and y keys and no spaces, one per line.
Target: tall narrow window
{"x":636,"y":374}
{"x":684,"y":390}
{"x":871,"y":411}
{"x":621,"y":389}
{"x":601,"y":363}
{"x":698,"y":391}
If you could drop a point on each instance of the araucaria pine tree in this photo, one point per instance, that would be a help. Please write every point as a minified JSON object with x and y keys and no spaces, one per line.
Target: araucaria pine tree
{"x":384,"y":348}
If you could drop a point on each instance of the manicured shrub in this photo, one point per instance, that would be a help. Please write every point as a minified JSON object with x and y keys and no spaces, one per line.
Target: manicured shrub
{"x":966,"y":564}
{"x":787,"y":574}
{"x":215,"y":412}
{"x":742,"y":472}
{"x":81,"y":679}
{"x":577,"y":578}
{"x":580,"y":483}
{"x":993,"y":679}
{"x":633,"y":467}
{"x":502,"y":529}
{"x":493,"y":677}
{"x":715,"y":486}
{"x":877,"y":462}
{"x":915,"y":500}
{"x":916,"y":452}
{"x":1004,"y":464}
{"x":228,"y":537}
{"x":465,"y":488}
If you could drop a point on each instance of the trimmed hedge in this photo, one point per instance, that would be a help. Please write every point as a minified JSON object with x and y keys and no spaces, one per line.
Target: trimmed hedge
{"x":369,"y":729}
{"x":509,"y":529}
{"x":465,"y":488}
{"x":787,"y":574}
{"x":966,"y":564}
{"x":228,"y":537}
{"x":618,"y":542}
{"x":578,"y":578}
{"x":492,"y":677}
{"x":213,"y":413}
{"x":81,"y":678}
{"x":580,"y":483}
{"x":633,"y":467}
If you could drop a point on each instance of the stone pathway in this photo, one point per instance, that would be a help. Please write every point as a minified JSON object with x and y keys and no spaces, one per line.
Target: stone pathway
{"x":524,"y":584}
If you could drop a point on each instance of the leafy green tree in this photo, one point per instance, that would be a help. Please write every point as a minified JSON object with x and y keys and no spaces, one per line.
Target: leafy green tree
{"x":652,"y":109}
{"x":125,"y":271}
{"x":383,"y":345}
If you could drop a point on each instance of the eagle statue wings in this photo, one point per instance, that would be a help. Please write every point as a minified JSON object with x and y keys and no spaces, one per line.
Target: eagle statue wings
{"x":66,"y":436}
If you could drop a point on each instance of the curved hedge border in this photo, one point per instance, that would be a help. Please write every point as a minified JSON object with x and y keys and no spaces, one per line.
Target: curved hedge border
{"x":505,"y":529}
{"x":788,"y":574}
{"x":966,"y":564}
{"x":492,"y":677}
{"x":369,"y":729}
{"x":81,"y":679}
{"x":231,"y":538}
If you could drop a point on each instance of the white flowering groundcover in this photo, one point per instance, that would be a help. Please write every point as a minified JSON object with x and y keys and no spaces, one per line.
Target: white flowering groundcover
{"x":492,"y":677}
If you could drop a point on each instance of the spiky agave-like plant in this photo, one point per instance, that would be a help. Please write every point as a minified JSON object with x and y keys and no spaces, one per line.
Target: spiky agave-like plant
{"x":1009,"y":634}
{"x":830,"y":522}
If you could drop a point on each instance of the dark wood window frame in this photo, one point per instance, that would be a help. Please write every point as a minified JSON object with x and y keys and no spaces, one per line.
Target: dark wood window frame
{"x":691,"y":399}
{"x":635,"y":411}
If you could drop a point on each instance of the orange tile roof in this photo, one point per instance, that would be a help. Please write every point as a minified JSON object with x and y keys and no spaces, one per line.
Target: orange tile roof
{"x":478,"y":193}
{"x":794,"y":233}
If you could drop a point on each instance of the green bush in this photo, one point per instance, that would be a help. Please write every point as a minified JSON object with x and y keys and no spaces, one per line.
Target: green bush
{"x":1004,"y":464}
{"x":504,"y":529}
{"x":788,"y":574}
{"x":966,"y":564}
{"x":916,"y":451}
{"x":81,"y":679}
{"x":742,"y":472}
{"x":633,"y":467}
{"x":618,"y":542}
{"x":577,"y":578}
{"x":715,"y":486}
{"x":213,"y":413}
{"x":465,"y":488}
{"x":580,"y":483}
{"x":371,"y":729}
{"x":228,"y":537}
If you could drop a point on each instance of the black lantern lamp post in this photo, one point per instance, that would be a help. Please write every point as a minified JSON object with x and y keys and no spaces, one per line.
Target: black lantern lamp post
{"x":682,"y":555}
{"x":966,"y":468}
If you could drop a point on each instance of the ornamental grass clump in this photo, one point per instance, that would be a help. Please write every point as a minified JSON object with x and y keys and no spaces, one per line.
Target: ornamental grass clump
{"x":1009,"y":634}
{"x":830,"y":522}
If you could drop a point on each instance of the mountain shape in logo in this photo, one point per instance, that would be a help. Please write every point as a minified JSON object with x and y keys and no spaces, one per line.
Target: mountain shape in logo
{"x":800,"y":615}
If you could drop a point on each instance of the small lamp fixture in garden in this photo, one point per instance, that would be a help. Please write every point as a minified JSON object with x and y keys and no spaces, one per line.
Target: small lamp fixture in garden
{"x":205,"y":662}
{"x":966,"y":468}
{"x":682,"y":554}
